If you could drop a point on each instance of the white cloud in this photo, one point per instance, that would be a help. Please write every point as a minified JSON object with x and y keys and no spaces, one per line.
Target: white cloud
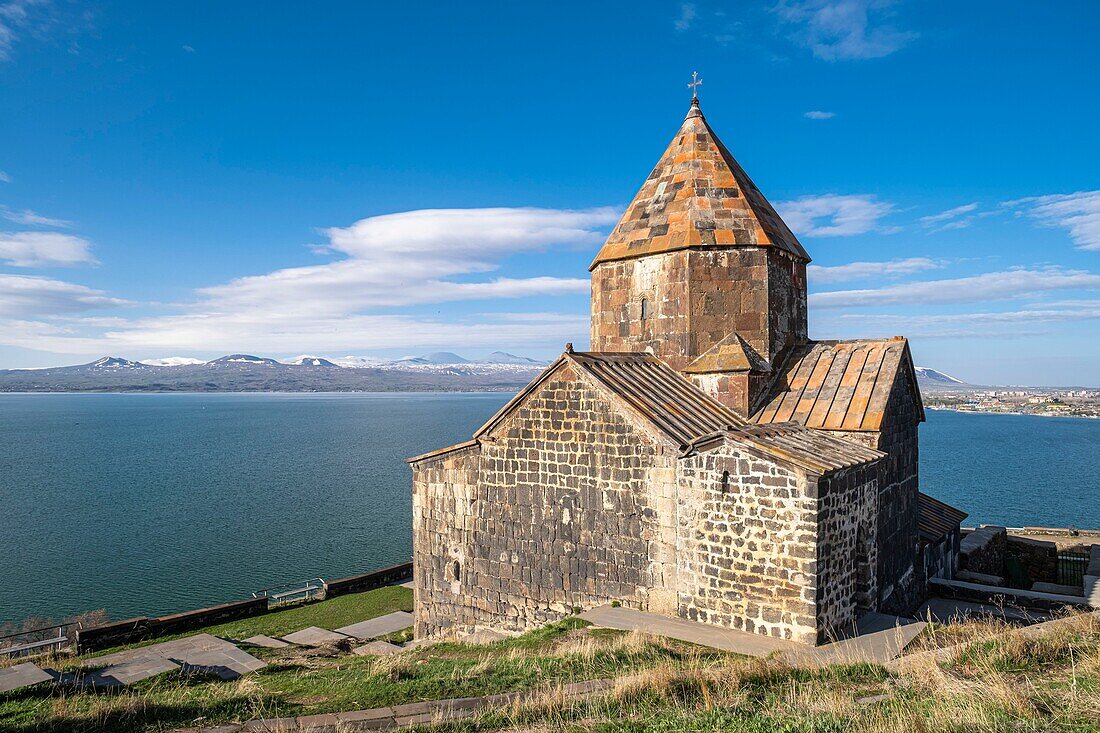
{"x":687,"y":15}
{"x":1006,"y":285}
{"x":1078,"y":212}
{"x":24,"y":296}
{"x":44,"y":249}
{"x":407,"y":259}
{"x":26,"y":217}
{"x":817,"y":114}
{"x":834,"y":215}
{"x":4,"y":177}
{"x":950,"y":215}
{"x":844,"y":29}
{"x":862,"y":270}
{"x":980,"y":324}
{"x":187,"y":48}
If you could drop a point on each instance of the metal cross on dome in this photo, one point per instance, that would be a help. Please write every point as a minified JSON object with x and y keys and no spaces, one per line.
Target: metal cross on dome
{"x":695,"y":83}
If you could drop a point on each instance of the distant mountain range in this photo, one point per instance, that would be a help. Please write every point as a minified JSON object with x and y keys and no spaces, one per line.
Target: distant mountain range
{"x":440,"y":371}
{"x":436,"y":372}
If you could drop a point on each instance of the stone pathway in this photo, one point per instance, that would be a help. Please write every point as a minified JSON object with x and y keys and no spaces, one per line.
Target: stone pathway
{"x":267,"y":642}
{"x":198,"y":653}
{"x":402,"y":716}
{"x":372,"y":628}
{"x":314,"y":636}
{"x":730,"y":640}
{"x":22,"y":675}
{"x":877,"y":638}
{"x":377,"y":649}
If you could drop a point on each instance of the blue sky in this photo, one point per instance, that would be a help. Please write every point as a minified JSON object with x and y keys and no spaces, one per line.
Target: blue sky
{"x":194,"y":179}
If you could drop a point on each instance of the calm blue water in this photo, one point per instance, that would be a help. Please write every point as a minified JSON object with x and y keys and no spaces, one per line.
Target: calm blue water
{"x":146,"y":504}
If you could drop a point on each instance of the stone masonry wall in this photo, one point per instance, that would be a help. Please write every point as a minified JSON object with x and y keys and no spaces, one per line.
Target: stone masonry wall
{"x":618,"y":289}
{"x":562,"y":516}
{"x":444,"y":492}
{"x":847,"y":548}
{"x":695,"y":299}
{"x":787,"y":306}
{"x":901,"y":582}
{"x":747,"y":544}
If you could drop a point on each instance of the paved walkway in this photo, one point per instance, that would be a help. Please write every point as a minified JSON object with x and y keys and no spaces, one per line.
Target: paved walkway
{"x":198,"y":653}
{"x":402,"y":716}
{"x":877,"y":638}
{"x":22,"y":675}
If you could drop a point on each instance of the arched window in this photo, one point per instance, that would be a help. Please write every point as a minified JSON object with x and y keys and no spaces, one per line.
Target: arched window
{"x":725,"y":482}
{"x":456,"y":570}
{"x":645,"y":308}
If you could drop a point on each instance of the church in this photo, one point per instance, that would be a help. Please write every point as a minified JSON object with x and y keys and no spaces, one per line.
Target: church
{"x":705,"y":459}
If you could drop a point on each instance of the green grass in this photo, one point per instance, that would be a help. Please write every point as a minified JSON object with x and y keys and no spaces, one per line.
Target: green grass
{"x":330,"y":614}
{"x":301,"y":682}
{"x":998,"y":682}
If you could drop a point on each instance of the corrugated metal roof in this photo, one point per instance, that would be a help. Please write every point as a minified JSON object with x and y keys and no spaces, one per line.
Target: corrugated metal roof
{"x":441,"y":452}
{"x":672,"y":403}
{"x":810,"y":449}
{"x":936,"y":518}
{"x":688,"y":416}
{"x":697,"y":196}
{"x":839,"y":385}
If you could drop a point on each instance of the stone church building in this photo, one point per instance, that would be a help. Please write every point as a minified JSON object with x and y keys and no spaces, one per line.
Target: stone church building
{"x":706,"y":459}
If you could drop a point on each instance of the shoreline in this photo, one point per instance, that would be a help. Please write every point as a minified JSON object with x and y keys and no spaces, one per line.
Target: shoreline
{"x":996,"y":412}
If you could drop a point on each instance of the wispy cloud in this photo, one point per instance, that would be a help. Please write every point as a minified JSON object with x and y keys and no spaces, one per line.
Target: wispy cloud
{"x":863,"y":270}
{"x":187,"y":48}
{"x":835,"y":215}
{"x":844,"y":29}
{"x":1077,"y":212}
{"x":952,"y":216}
{"x":23,"y":296}
{"x":971,"y":325}
{"x":44,"y":249}
{"x":26,"y":217}
{"x":687,"y":15}
{"x":4,"y":177}
{"x":990,"y":286}
{"x":15,"y":17}
{"x":817,"y":114}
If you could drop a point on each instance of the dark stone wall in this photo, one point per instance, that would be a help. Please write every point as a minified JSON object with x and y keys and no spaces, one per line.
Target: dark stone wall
{"x":1036,"y":559}
{"x":556,"y":516}
{"x":901,"y":582}
{"x":941,"y":558}
{"x":847,"y":548}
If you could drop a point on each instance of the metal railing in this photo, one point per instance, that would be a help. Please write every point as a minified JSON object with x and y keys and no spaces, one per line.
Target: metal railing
{"x":36,"y":641}
{"x":290,"y":593}
{"x":1071,"y":567}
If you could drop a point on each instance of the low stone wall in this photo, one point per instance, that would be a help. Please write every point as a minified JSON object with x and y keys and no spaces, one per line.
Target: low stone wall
{"x":1003,"y":596}
{"x":369,"y":581}
{"x":140,"y":628}
{"x":1038,"y":559}
{"x":983,"y":550}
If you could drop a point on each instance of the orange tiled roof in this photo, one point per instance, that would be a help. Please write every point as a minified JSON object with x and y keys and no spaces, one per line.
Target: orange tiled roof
{"x":731,"y":354}
{"x":697,"y":196}
{"x":839,"y":385}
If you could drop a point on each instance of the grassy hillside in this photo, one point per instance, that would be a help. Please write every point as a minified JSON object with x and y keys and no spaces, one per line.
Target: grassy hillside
{"x":993,"y":680}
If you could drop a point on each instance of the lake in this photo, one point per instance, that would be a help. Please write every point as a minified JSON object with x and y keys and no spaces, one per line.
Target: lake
{"x":151,"y":503}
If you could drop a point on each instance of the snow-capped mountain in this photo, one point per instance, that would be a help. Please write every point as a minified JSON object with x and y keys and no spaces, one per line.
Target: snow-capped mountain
{"x":243,"y":359}
{"x":503,"y":357}
{"x":932,"y":375}
{"x":307,"y":360}
{"x":173,"y":361}
{"x":358,"y":362}
{"x":114,"y":362}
